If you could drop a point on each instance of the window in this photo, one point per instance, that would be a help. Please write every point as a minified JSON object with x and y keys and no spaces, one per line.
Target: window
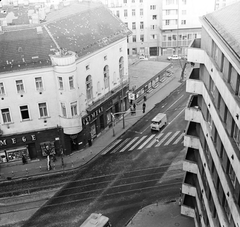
{"x":142,"y":38}
{"x":105,"y":58}
{"x":134,"y":51}
{"x":20,"y":87}
{"x":134,"y":39}
{"x":184,"y":12}
{"x":126,"y":23}
{"x":236,"y":135}
{"x":125,"y":13}
{"x":133,"y":25}
{"x":141,"y":25}
{"x":117,"y":13}
{"x":87,"y":67}
{"x":141,"y":12}
{"x":141,"y":1}
{"x":60,"y":82}
{"x":120,"y":49}
{"x":24,"y":112}
{"x":232,"y":175}
{"x":74,"y":109}
{"x":167,"y":22}
{"x":153,"y":36}
{"x":125,"y":1}
{"x":183,"y":21}
{"x":2,"y":91}
{"x":43,"y":109}
{"x":154,"y":17}
{"x":89,"y":87}
{"x":6,"y":116}
{"x":152,"y":7}
{"x":153,"y":27}
{"x":167,"y":12}
{"x":71,"y":82}
{"x":169,"y":2}
{"x":39,"y":84}
{"x":98,"y":88}
{"x":184,"y":2}
{"x":64,"y":111}
{"x":121,"y":67}
{"x":133,"y":12}
{"x":133,"y":1}
{"x":106,"y":76}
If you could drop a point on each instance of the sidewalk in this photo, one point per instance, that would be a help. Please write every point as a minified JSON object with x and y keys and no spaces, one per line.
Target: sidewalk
{"x":160,"y":214}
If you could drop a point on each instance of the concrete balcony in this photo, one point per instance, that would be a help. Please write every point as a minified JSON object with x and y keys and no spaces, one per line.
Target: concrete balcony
{"x":195,"y":53}
{"x":188,"y":186}
{"x":188,"y":205}
{"x":190,"y":161}
{"x":193,"y":112}
{"x":71,"y":125}
{"x":191,"y":136}
{"x":63,"y":58}
{"x":194,"y":84}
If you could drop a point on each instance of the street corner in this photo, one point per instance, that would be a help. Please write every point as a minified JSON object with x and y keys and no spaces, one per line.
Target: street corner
{"x":161,"y":214}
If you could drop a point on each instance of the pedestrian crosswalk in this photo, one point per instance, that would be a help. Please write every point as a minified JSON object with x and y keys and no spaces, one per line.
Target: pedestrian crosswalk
{"x":144,"y":142}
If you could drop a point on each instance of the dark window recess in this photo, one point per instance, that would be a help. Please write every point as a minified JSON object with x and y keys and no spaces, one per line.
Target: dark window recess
{"x":24,"y":112}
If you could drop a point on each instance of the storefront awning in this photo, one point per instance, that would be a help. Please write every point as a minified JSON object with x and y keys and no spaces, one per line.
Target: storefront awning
{"x":72,"y":130}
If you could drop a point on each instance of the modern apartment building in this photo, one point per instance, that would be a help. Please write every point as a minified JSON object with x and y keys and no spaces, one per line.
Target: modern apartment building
{"x":222,"y":3}
{"x":63,"y":74}
{"x":211,"y":186}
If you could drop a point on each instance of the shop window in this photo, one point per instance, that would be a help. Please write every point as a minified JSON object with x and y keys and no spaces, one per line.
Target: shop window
{"x":71,"y":82}
{"x":64,"y":111}
{"x":6,"y":115}
{"x":106,"y":76}
{"x":24,"y":112}
{"x":2,"y":90}
{"x":60,"y":83}
{"x":74,"y":109}
{"x":89,"y":87}
{"x":39,"y":83}
{"x":20,"y":87}
{"x":43,"y":109}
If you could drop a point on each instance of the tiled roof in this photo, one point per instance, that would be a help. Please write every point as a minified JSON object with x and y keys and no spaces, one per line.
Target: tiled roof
{"x":226,"y":22}
{"x":80,"y":27}
{"x":24,"y":48}
{"x":87,"y":31}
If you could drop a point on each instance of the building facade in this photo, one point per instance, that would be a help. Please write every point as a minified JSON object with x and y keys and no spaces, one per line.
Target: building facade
{"x":211,"y":186}
{"x":60,"y":80}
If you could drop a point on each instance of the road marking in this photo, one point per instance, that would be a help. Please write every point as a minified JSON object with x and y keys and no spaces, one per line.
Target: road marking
{"x":155,"y":140}
{"x":110,"y":147}
{"x":139,"y":141}
{"x":146,"y":142}
{"x":176,"y":117}
{"x":120,"y":145}
{"x":173,"y":136}
{"x":174,"y":103}
{"x":129,"y":144}
{"x":179,"y":138}
{"x":165,"y":137}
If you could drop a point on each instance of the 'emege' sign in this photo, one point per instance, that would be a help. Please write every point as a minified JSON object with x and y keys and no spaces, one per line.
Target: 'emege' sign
{"x":14,"y":140}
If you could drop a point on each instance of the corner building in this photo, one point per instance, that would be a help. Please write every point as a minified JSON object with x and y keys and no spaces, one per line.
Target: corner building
{"x":211,"y":190}
{"x":60,"y":78}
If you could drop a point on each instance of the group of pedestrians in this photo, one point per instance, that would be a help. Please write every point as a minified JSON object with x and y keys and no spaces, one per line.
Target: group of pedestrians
{"x":133,"y":106}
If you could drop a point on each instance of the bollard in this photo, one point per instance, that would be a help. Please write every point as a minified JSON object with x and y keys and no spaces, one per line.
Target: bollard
{"x":26,"y":171}
{"x":53,"y":166}
{"x":12,"y":174}
{"x":72,"y":164}
{"x":40,"y":167}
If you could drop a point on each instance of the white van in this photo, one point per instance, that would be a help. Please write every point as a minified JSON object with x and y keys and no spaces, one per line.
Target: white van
{"x":158,"y":121}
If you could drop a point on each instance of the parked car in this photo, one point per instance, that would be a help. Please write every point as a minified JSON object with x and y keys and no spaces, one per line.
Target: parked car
{"x":174,"y":57}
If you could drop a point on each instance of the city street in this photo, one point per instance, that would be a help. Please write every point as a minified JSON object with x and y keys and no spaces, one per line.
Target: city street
{"x":134,"y":171}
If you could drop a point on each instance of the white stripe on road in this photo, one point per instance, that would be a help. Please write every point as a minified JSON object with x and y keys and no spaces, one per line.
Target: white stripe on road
{"x":165,"y":137}
{"x":179,"y":138}
{"x":120,"y":145}
{"x":154,"y":141}
{"x":174,"y":103}
{"x":136,"y":144}
{"x":129,"y":144}
{"x":146,"y":142}
{"x":110,"y":147}
{"x":173,"y":136}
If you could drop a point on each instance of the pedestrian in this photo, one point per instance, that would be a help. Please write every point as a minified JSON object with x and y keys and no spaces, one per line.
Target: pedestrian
{"x":144,"y":98}
{"x":132,"y":110}
{"x":24,"y":160}
{"x":144,"y":107}
{"x":49,"y":166}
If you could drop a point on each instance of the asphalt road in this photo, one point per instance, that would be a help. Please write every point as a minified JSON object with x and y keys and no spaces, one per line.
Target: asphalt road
{"x":127,"y":176}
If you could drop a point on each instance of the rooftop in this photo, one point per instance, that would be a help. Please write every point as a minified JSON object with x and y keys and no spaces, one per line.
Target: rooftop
{"x":226,"y":22}
{"x":81,"y":27}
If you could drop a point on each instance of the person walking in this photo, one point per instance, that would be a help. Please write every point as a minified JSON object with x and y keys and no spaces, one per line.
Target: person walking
{"x":144,"y":107}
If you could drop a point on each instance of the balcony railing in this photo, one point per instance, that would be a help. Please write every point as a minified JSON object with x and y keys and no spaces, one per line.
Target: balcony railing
{"x":191,"y":155}
{"x":188,"y":206}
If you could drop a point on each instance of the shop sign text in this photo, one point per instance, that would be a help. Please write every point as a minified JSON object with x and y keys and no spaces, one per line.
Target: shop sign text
{"x":13,"y":140}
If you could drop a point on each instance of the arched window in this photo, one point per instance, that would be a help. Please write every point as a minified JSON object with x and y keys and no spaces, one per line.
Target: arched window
{"x":89,"y":87}
{"x":98,"y":88}
{"x":106,"y":76}
{"x":121,"y":67}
